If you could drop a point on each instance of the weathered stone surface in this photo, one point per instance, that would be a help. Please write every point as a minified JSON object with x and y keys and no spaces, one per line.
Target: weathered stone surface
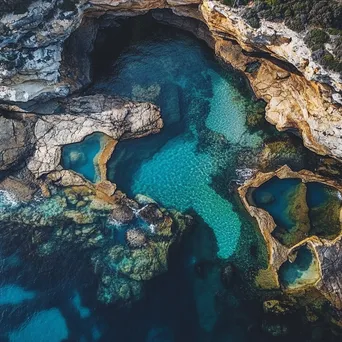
{"x":16,"y":141}
{"x":37,"y":64}
{"x":293,"y":102}
{"x":135,"y":238}
{"x":326,"y":252}
{"x":83,"y":116}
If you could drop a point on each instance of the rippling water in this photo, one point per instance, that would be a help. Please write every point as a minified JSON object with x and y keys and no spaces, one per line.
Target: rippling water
{"x":204,"y":114}
{"x":189,"y":166}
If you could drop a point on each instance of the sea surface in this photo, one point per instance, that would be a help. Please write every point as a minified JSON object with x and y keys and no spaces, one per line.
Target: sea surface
{"x":193,"y":165}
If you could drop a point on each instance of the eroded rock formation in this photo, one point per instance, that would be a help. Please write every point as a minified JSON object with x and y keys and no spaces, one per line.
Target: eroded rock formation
{"x":300,"y":93}
{"x":78,"y":117}
{"x":125,"y":241}
{"x":324,"y":273}
{"x":82,"y":216}
{"x":45,"y":54}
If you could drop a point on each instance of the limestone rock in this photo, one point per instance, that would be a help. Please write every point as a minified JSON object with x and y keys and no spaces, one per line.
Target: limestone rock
{"x":16,"y":141}
{"x":325,"y":270}
{"x":45,"y":53}
{"x":83,"y":116}
{"x":135,"y":238}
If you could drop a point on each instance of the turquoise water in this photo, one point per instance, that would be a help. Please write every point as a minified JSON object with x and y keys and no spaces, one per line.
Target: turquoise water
{"x":80,"y":156}
{"x":273,"y":197}
{"x":13,"y":294}
{"x":189,"y":165}
{"x":44,"y":326}
{"x":204,"y":113}
{"x":289,"y":273}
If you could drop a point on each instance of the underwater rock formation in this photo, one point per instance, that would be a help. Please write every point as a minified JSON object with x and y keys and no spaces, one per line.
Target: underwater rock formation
{"x":82,"y":217}
{"x":126,"y":242}
{"x":316,"y":253}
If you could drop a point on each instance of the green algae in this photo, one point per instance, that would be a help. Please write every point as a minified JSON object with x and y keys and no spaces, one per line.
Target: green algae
{"x":325,"y":219}
{"x":298,"y":212}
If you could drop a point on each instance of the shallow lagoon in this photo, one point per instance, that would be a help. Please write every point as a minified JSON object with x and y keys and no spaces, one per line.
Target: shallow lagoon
{"x":204,"y":115}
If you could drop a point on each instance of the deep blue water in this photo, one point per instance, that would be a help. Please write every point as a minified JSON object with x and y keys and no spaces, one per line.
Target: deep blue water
{"x":204,"y":110}
{"x":204,"y":114}
{"x":273,"y":197}
{"x":318,"y":194}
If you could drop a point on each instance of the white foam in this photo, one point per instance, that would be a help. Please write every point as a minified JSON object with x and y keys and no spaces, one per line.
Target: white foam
{"x":7,"y":199}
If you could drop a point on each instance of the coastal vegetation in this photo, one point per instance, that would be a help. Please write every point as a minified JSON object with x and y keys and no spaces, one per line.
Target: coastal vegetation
{"x":319,"y":20}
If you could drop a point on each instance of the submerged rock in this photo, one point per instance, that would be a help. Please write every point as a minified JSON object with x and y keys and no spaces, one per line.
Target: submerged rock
{"x":135,"y":238}
{"x":276,"y":307}
{"x":227,"y":274}
{"x":279,"y":152}
{"x":275,"y":329}
{"x":266,"y":198}
{"x":81,"y":217}
{"x":298,"y":212}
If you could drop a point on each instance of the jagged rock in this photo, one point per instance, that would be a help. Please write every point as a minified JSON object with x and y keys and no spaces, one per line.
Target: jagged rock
{"x":135,"y":238}
{"x":82,"y":116}
{"x":16,"y":141}
{"x":75,"y":216}
{"x":325,"y":274}
{"x":151,"y":213}
{"x":20,"y":189}
{"x":39,"y":61}
{"x":276,"y":307}
{"x":122,"y":212}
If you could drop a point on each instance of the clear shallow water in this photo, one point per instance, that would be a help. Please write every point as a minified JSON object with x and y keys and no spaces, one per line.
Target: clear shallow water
{"x":273,"y":197}
{"x":54,"y":298}
{"x":290,"y":273}
{"x":204,"y":115}
{"x":81,"y":157}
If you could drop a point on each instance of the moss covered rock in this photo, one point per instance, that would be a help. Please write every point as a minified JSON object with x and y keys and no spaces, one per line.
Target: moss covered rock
{"x":325,"y":219}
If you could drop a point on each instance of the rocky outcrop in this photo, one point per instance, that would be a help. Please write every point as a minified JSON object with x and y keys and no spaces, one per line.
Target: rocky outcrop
{"x":78,"y":117}
{"x":273,"y":38}
{"x":16,"y":140}
{"x":295,"y":100}
{"x":37,"y":64}
{"x":81,"y":216}
{"x":324,"y":274}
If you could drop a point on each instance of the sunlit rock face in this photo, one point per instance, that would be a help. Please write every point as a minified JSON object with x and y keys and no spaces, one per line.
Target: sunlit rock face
{"x":78,"y":118}
{"x":299,"y":215}
{"x":52,"y":60}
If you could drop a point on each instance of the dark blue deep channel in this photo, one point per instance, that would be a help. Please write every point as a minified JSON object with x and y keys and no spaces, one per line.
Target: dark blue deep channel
{"x":190,"y":166}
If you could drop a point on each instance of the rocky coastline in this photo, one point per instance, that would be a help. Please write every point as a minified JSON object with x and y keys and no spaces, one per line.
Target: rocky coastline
{"x":46,"y":60}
